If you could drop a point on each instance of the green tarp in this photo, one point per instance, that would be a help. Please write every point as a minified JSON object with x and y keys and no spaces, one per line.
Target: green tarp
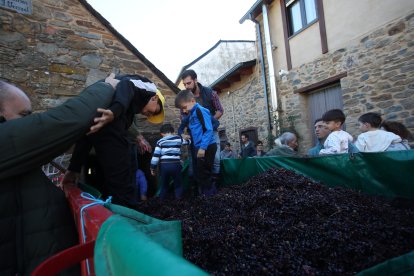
{"x":402,"y":265}
{"x":131,"y":243}
{"x":387,"y":173}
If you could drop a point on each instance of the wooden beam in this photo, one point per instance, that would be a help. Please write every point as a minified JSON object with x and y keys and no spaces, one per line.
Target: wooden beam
{"x":322,"y":27}
{"x":246,"y":71}
{"x":234,"y":78}
{"x":321,"y":84}
{"x":285,"y":35}
{"x":224,"y":84}
{"x":217,"y":89}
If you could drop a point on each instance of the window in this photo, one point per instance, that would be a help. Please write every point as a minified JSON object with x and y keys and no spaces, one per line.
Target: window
{"x":301,"y":13}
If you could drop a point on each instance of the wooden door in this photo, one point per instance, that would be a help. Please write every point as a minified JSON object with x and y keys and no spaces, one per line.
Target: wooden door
{"x":323,"y":100}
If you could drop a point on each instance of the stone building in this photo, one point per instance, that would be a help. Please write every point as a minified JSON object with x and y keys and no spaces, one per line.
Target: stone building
{"x":229,"y":67}
{"x":349,"y":54}
{"x":241,"y":94}
{"x":55,"y":48}
{"x":219,"y":59}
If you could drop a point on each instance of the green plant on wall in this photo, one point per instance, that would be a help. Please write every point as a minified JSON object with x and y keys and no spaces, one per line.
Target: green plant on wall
{"x":284,"y":123}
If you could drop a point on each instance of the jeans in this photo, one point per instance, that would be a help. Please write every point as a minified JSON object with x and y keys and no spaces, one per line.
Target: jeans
{"x":193,"y":159}
{"x":204,"y":171}
{"x":216,"y":165}
{"x":171,"y":170}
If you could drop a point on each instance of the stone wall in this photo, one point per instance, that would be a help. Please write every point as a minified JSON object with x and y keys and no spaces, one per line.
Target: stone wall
{"x":55,"y":52}
{"x":244,"y":107}
{"x":380,"y":78}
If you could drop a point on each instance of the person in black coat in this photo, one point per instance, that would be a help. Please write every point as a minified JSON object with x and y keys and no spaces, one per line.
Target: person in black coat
{"x":134,"y":94}
{"x":247,"y":147}
{"x":35,"y":219}
{"x":259,"y":149}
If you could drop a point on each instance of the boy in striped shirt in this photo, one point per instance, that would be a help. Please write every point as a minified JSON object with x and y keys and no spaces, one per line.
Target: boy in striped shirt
{"x":168,"y":154}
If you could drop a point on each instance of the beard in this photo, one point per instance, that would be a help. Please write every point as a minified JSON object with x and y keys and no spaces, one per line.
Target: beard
{"x":194,"y":88}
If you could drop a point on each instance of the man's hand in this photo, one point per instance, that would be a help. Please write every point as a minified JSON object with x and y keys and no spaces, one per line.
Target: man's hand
{"x":201,"y":153}
{"x":100,"y":122}
{"x":218,"y":114}
{"x":143,"y":145}
{"x":111,"y":80}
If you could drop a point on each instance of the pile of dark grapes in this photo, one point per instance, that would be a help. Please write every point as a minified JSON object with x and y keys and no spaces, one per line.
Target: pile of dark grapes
{"x":280,"y":222}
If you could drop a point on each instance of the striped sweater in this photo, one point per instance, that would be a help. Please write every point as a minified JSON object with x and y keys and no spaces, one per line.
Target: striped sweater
{"x":168,"y":149}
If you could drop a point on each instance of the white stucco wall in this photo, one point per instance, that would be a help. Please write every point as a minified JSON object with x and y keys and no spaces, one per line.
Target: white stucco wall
{"x":277,"y":36}
{"x":221,"y":59}
{"x":349,"y":19}
{"x":345,"y":20}
{"x":305,"y":46}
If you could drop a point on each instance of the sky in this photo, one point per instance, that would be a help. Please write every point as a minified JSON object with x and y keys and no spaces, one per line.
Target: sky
{"x":173,"y":33}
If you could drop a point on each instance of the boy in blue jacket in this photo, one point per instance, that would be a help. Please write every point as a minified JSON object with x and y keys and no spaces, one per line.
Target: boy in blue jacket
{"x":203,"y":139}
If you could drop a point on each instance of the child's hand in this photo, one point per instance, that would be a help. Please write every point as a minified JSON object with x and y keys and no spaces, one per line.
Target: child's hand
{"x":185,"y":136}
{"x":201,"y":153}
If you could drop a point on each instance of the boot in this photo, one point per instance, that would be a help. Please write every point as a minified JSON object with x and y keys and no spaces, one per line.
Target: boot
{"x":215,"y":178}
{"x":194,"y":189}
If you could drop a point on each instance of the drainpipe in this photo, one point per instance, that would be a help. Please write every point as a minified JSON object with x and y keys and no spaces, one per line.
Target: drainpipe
{"x":258,"y":30}
{"x":272,"y":76}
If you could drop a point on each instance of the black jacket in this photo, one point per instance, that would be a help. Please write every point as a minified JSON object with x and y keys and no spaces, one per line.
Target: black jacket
{"x":35,"y":219}
{"x":111,"y":143}
{"x":248,"y":150}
